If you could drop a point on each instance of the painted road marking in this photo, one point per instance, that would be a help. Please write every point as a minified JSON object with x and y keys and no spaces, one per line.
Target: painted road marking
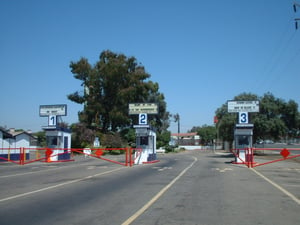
{"x":293,"y":197}
{"x":222,"y":170}
{"x":159,"y":168}
{"x":59,"y":185}
{"x":38,"y":171}
{"x":157,"y":196}
{"x":164,"y":168}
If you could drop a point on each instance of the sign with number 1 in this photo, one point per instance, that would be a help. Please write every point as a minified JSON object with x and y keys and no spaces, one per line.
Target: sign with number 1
{"x":52,"y":120}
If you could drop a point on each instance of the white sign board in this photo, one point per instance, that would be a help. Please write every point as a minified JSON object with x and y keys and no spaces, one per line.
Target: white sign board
{"x":242,"y":106}
{"x":53,"y":110}
{"x":138,"y":108}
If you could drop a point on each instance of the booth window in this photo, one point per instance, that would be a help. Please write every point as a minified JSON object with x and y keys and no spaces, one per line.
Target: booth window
{"x":243,"y":140}
{"x":144,"y":140}
{"x":51,"y":140}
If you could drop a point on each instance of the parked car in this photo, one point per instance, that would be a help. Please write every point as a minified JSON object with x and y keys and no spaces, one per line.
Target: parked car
{"x":259,"y":142}
{"x":268,"y":142}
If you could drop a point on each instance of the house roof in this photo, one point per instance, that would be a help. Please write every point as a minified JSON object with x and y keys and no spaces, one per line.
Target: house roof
{"x":5,"y":133}
{"x":13,"y":134}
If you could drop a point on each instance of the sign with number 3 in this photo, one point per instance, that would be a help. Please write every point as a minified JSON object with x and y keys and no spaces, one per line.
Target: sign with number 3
{"x":243,"y":117}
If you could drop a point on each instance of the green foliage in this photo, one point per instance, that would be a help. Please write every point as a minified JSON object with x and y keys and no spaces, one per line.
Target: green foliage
{"x":275,"y":120}
{"x":82,"y":136}
{"x":169,"y":149}
{"x":128,"y":135}
{"x":41,"y":138}
{"x":163,"y":139}
{"x":113,"y":82}
{"x":112,"y":140}
{"x":207,"y":134}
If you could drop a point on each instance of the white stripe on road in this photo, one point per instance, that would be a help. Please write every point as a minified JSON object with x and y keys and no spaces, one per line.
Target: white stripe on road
{"x":157,"y":196}
{"x":59,"y":185}
{"x":293,"y":197}
{"x":39,"y":171}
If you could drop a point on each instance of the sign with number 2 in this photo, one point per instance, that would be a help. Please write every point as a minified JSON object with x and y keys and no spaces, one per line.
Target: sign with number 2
{"x":142,"y":119}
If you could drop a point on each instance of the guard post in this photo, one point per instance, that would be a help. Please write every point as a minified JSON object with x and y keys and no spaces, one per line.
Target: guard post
{"x":145,"y":134}
{"x":243,"y":132}
{"x":243,"y":139}
{"x":58,"y":138}
{"x":146,"y":142}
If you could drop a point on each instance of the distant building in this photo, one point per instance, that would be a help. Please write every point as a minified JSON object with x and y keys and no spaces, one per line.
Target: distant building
{"x":11,"y":141}
{"x":184,"y":139}
{"x":16,"y":139}
{"x":5,"y":138}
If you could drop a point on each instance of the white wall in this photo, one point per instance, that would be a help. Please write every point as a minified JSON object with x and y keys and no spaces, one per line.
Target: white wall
{"x":22,"y":140}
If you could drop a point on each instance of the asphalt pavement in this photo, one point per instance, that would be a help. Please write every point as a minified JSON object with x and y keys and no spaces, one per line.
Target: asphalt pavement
{"x":189,"y":188}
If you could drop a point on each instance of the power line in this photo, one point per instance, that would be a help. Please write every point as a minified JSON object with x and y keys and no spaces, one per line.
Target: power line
{"x":276,"y":56}
{"x":278,"y":53}
{"x":295,"y":7}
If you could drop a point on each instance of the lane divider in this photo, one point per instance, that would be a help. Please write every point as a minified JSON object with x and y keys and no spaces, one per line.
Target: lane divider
{"x":293,"y":197}
{"x":158,"y":195}
{"x":59,"y":185}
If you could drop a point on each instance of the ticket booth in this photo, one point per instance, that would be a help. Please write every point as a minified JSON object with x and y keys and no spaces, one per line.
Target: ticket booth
{"x":146,"y":142}
{"x":59,"y":141}
{"x":243,"y":139}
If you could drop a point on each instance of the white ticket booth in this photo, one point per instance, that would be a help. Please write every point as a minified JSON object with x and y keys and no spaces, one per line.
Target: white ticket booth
{"x":58,"y":138}
{"x":145,"y":144}
{"x":243,"y":135}
{"x":59,"y":141}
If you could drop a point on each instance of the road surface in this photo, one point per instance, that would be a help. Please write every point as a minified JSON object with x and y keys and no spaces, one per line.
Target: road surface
{"x":190,"y":188}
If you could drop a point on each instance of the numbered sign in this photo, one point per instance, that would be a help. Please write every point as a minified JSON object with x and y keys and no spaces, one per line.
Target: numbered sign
{"x":142,"y":119}
{"x":51,"y":120}
{"x":243,"y":117}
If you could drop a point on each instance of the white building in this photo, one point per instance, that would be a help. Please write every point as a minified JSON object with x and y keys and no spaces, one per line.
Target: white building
{"x":18,"y":139}
{"x":11,"y":142}
{"x":5,"y":138}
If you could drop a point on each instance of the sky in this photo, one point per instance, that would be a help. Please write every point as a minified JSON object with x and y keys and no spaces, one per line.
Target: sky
{"x":200,"y":52}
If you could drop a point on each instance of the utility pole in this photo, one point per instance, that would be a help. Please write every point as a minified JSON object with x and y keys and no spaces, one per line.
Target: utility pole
{"x":295,"y":6}
{"x":177,"y":119}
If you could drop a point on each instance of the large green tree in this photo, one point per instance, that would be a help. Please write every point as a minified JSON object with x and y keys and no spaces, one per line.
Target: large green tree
{"x":109,"y":86}
{"x":276,"y":119}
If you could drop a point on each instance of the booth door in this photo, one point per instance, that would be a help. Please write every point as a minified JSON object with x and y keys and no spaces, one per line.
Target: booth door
{"x":66,"y":142}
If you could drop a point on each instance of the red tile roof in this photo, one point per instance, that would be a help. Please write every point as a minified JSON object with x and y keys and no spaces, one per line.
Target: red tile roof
{"x":184,"y":134}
